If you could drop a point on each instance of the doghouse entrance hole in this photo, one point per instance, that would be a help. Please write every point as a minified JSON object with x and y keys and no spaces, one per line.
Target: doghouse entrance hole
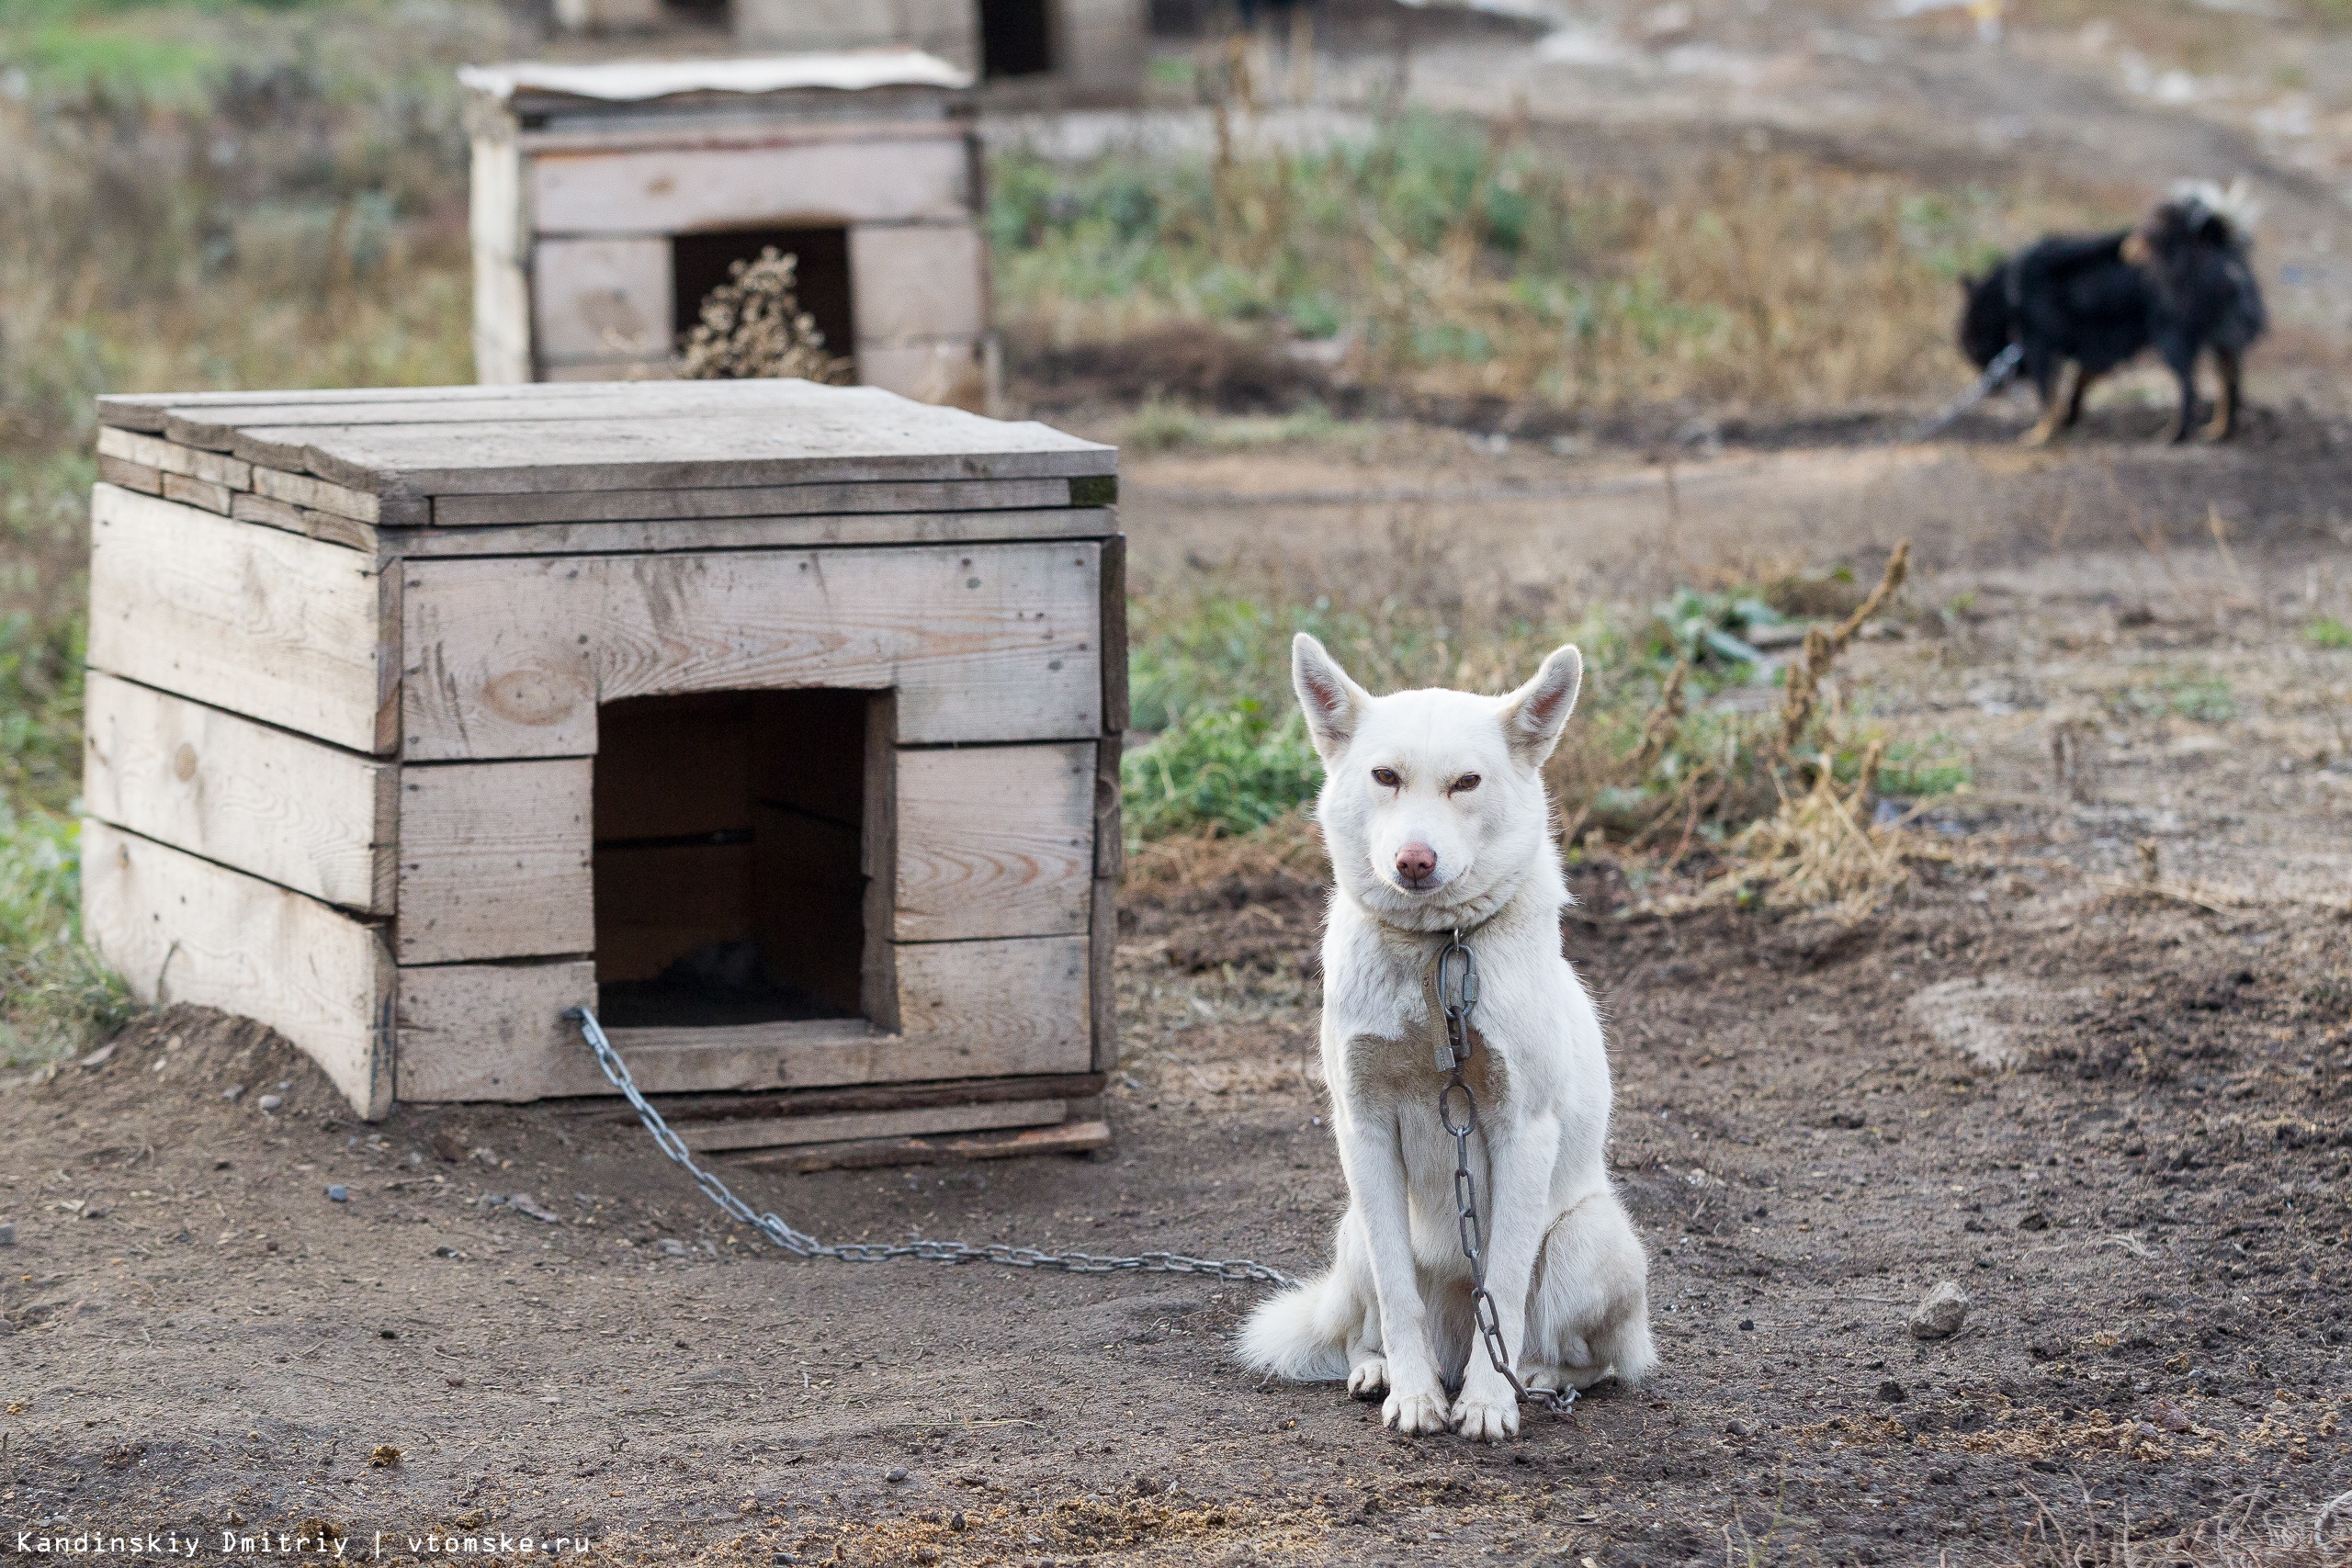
{"x":698,"y":264}
{"x":1016,"y":39}
{"x":730,"y":832}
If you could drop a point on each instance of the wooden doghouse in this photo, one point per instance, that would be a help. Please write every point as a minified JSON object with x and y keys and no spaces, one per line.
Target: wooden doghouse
{"x":608,"y":200}
{"x":1060,"y":52}
{"x":780,"y":721}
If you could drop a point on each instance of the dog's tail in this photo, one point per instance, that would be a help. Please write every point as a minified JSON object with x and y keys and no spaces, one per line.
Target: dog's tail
{"x":1302,"y":1333}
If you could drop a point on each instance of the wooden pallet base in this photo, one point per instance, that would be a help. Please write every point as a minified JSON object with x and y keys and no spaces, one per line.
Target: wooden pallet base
{"x":1070,"y":1138}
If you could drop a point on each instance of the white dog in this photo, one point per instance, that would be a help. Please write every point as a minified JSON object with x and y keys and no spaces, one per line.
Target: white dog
{"x":1434,"y":812}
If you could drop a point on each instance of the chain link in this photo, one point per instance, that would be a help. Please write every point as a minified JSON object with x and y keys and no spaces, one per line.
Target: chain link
{"x":1457,"y":991}
{"x":802,"y":1245}
{"x":1997,"y":375}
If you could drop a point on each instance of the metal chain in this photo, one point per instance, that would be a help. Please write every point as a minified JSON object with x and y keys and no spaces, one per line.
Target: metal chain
{"x":802,"y":1245}
{"x":1997,"y":375}
{"x":1457,"y":990}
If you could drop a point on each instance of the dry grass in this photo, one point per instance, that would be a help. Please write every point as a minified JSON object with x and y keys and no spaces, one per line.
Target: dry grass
{"x":1447,"y":260}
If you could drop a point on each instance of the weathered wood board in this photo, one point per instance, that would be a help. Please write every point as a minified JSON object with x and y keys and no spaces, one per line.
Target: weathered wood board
{"x":917,"y":280}
{"x":495,"y":862}
{"x":868,"y":434}
{"x":311,"y":816}
{"x":496,"y":1032}
{"x":787,"y":1131}
{"x":510,"y":658}
{"x":968,"y":1010}
{"x":902,"y":497}
{"x":261,"y":622}
{"x":599,"y":299}
{"x":182,"y":930}
{"x":175,"y":458}
{"x":675,"y":191}
{"x":737,"y":532}
{"x":995,"y":841}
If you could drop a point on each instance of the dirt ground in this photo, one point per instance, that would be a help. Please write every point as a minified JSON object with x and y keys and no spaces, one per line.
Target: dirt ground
{"x":2117,"y":1117}
{"x":2114,"y":1111}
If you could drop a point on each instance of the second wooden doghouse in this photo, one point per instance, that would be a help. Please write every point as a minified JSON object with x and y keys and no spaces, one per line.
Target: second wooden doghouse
{"x":778,"y":721}
{"x":608,"y":200}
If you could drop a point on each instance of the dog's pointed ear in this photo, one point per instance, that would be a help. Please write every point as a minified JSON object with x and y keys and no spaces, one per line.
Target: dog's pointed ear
{"x":1334,"y":704}
{"x":1534,"y":716}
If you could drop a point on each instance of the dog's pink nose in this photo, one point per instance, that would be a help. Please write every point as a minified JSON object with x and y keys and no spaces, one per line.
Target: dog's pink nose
{"x":1416,"y":862}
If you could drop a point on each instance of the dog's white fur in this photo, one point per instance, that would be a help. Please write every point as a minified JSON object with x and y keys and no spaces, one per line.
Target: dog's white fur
{"x":1568,"y":1277}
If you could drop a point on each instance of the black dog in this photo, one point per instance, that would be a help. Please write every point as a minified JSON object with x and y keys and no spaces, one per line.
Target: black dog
{"x":2084,"y":304}
{"x":2196,"y":251}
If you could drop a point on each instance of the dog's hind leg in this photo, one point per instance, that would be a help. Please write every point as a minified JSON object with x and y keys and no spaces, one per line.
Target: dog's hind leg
{"x":2225,"y":412}
{"x":1589,"y":1316}
{"x":2083,"y":379}
{"x":2057,"y":412}
{"x":2184,"y":370}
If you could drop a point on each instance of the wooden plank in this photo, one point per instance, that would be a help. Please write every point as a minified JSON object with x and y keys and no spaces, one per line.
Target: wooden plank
{"x":995,"y":841}
{"x":920,"y":280}
{"x":951,"y":372}
{"x":784,"y":1131}
{"x":619,"y":398}
{"x":994,"y":1008}
{"x":495,"y":862}
{"x":735,"y":533}
{"x":878,"y":829}
{"x":496,"y":1032}
{"x":599,"y":299}
{"x":1070,"y":1138}
{"x":203,"y":493}
{"x":584,"y":130}
{"x":1015,"y":1008}
{"x":254,"y":620}
{"x":128,"y":474}
{"x":182,"y":930}
{"x":666,"y":191}
{"x":148,"y":411}
{"x":319,"y":495}
{"x":173,"y":457}
{"x":502,"y":292}
{"x":509,"y":659}
{"x":860,"y":433}
{"x":1110,"y":845}
{"x":696,"y":1110}
{"x":1115,"y":715}
{"x":1102,"y":981}
{"x":302,"y":520}
{"x":905,"y":497}
{"x":306,"y":816}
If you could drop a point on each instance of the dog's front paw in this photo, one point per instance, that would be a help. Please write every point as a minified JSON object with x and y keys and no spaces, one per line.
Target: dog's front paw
{"x":1487,"y":1420}
{"x":1414,"y":1412}
{"x":1368,"y":1378}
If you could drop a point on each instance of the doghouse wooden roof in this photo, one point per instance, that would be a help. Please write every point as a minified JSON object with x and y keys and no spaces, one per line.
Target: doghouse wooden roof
{"x":689,"y":464}
{"x":549,"y":83}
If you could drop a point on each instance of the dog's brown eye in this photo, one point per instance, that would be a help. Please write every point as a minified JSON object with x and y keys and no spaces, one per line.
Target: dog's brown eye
{"x":1386,"y":778}
{"x":1467,"y":781}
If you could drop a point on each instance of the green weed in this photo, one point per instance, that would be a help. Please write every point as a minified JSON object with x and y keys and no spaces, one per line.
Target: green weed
{"x":2201,"y":695}
{"x":2329,"y":633}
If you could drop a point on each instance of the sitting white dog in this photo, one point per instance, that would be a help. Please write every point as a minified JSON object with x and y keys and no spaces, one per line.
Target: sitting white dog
{"x":1434,"y":812}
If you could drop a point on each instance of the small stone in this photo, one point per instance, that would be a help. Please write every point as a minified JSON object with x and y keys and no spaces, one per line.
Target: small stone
{"x":955,"y":1520}
{"x":2036,"y":1221}
{"x":8,"y":1233}
{"x":455,"y":1382}
{"x":784,"y":1560}
{"x":1940,"y":1312}
{"x":897,"y":1473}
{"x":926,"y":1554}
{"x":270,"y":1102}
{"x":1148,"y":1486}
{"x":523,"y":1203}
{"x":385,"y":1457}
{"x":99,"y":1057}
{"x":338,"y":1194}
{"x":387,"y":1334}
{"x":233,"y":1093}
{"x":1734,"y":1429}
{"x":1747,"y":1325}
{"x":1893,"y":1392}
{"x":2172,"y":1418}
